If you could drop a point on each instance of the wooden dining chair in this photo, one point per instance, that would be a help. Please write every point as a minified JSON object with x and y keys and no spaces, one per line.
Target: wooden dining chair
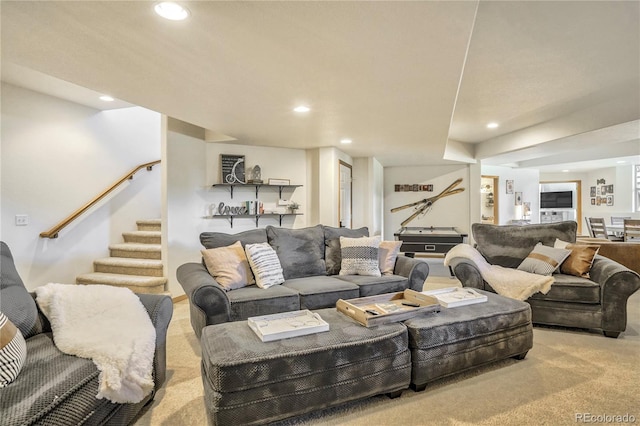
{"x":619,"y":220}
{"x":631,"y":230}
{"x":599,"y":229}
{"x":586,"y":219}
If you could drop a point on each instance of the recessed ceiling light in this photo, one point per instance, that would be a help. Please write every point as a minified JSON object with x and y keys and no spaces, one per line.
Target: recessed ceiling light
{"x":565,"y":171}
{"x":492,"y":125}
{"x":172,"y":11}
{"x":621,"y":162}
{"x":345,"y":141}
{"x":106,"y":98}
{"x":302,"y":108}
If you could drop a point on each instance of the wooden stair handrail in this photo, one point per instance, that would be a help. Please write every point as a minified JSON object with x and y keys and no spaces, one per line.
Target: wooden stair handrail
{"x":53,"y":232}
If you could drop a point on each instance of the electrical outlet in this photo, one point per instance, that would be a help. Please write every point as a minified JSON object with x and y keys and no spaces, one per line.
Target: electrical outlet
{"x":22,"y":220}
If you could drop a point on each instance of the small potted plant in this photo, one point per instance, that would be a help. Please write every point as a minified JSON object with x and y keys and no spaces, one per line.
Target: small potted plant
{"x":293,"y":207}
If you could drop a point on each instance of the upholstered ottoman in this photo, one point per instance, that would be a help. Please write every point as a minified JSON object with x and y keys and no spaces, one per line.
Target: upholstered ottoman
{"x":457,"y":339}
{"x":247,"y":381}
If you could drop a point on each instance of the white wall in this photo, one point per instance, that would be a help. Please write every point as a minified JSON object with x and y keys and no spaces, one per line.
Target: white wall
{"x":185,"y":182}
{"x":56,"y":156}
{"x":452,"y":211}
{"x":525,"y":181}
{"x":368,"y":189}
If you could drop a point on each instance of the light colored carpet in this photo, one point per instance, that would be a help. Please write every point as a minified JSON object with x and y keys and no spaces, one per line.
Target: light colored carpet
{"x":567,"y":373}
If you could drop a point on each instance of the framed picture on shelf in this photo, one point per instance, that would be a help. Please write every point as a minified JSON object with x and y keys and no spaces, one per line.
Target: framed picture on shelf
{"x":232,"y":168}
{"x":279,"y":181}
{"x":509,"y":186}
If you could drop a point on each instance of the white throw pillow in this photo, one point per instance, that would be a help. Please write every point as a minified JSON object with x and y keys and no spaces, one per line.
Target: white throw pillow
{"x":360,"y":256}
{"x":544,"y":260}
{"x":13,"y":351}
{"x":387,"y":255}
{"x":265,"y":264}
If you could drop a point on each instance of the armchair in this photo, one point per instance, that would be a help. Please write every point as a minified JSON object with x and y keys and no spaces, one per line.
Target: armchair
{"x":53,"y":387}
{"x":598,"y":302}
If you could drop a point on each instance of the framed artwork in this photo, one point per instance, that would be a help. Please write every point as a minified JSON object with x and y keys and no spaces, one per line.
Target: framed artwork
{"x":593,"y":201}
{"x":232,"y":168}
{"x":279,"y":181}
{"x":609,"y":189}
{"x":609,"y":200}
{"x":518,"y":198}
{"x":509,"y":186}
{"x":603,"y":190}
{"x":593,"y":191}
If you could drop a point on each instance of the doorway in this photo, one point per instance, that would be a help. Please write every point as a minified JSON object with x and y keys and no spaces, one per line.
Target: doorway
{"x":554,"y":209}
{"x":489,"y":199}
{"x":344,"y":200}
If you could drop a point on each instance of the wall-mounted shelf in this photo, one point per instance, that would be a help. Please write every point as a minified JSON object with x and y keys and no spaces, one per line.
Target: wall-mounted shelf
{"x":257,"y":217}
{"x":257,"y":186}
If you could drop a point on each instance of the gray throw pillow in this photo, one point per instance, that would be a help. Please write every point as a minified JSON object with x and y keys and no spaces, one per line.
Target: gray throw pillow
{"x":332,"y":251}
{"x":301,"y":251}
{"x":15,"y":301}
{"x":509,"y":245}
{"x":220,"y":239}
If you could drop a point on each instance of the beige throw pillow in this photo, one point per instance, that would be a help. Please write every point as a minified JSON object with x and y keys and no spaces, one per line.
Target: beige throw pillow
{"x":387,"y":255}
{"x":229,"y":266}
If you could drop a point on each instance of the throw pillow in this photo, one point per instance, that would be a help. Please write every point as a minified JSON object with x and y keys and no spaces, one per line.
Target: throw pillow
{"x":229,"y":266}
{"x":544,"y":260}
{"x":13,"y":351}
{"x":360,"y":256}
{"x":264,"y":264}
{"x":580,"y":260}
{"x":301,"y":251}
{"x":332,"y":252}
{"x":387,"y":254}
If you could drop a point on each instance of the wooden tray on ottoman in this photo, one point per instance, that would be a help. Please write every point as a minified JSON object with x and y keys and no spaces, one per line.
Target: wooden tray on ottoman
{"x":389,"y":307}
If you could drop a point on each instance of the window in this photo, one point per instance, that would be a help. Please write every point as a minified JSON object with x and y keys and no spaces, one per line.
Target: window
{"x":637,"y":187}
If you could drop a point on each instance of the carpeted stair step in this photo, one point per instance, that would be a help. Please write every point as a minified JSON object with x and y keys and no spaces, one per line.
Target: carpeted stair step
{"x":149,"y":225}
{"x":123,"y":265}
{"x":136,"y":283}
{"x":136,"y":250}
{"x":144,"y":237}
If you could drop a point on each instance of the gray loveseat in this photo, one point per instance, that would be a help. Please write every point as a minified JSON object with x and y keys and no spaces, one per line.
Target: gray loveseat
{"x":58,"y":389}
{"x":597,"y":302}
{"x":310,"y":259}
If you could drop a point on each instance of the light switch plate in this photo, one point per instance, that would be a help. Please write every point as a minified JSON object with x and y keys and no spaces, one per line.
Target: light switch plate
{"x":22,"y":220}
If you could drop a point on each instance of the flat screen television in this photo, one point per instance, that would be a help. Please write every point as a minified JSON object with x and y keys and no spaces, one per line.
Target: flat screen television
{"x":556,"y":200}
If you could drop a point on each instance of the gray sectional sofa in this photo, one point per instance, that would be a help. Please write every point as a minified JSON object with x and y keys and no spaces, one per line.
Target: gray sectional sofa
{"x":54,"y":388}
{"x":596,"y":302}
{"x":310,"y":258}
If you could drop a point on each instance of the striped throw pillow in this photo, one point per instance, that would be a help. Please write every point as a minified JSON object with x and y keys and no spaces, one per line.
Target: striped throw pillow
{"x":360,"y":256}
{"x":544,"y":260}
{"x":13,"y":351}
{"x":265,"y":264}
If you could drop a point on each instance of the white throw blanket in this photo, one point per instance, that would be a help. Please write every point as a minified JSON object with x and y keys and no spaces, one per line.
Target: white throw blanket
{"x":508,"y":282}
{"x":108,"y":325}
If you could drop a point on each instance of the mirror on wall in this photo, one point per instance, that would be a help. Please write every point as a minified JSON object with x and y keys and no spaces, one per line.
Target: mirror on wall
{"x":489,"y":199}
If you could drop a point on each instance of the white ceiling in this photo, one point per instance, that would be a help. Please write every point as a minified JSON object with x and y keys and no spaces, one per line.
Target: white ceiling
{"x":410,"y":82}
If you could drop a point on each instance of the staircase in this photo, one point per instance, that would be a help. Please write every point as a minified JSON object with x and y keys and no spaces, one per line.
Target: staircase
{"x":134,"y":264}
